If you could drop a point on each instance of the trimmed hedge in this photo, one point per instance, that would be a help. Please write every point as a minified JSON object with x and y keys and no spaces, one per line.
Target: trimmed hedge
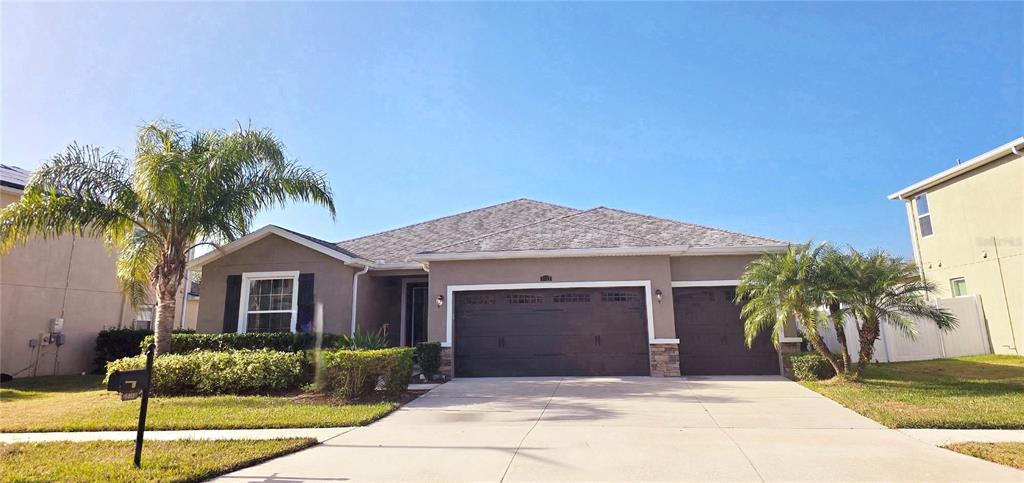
{"x":118,"y":343}
{"x":810,"y":366}
{"x":277,"y":341}
{"x":357,"y":374}
{"x":428,"y":354}
{"x":235,"y":372}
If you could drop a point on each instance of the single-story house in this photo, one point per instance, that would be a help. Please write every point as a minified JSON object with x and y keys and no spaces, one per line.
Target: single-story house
{"x":522,"y":288}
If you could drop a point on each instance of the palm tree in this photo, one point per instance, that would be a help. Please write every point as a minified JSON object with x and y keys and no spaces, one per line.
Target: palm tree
{"x":834,"y":280}
{"x":180,"y":188}
{"x":889,"y":290}
{"x":779,"y":287}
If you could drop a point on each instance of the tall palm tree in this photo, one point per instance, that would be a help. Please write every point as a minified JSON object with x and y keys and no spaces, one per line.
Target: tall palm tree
{"x":180,"y":188}
{"x":779,"y":287}
{"x":889,"y":290}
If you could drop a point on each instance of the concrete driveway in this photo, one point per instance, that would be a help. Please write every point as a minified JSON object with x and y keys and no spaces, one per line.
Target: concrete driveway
{"x":558,"y":429}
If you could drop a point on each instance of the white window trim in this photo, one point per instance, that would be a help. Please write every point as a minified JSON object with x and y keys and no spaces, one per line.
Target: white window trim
{"x":918,"y":214}
{"x":646,"y":284}
{"x":243,"y":301}
{"x":952,"y":287}
{"x":705,"y":283}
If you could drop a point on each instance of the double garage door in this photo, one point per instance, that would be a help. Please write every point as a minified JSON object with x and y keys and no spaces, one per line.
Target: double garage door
{"x":598,"y":332}
{"x":557,"y":332}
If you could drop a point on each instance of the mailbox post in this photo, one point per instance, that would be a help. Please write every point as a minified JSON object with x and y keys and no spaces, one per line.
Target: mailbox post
{"x":130,"y":384}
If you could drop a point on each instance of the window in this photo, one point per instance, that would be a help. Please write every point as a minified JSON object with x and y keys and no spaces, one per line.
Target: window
{"x":924,"y":217}
{"x":478,"y":299}
{"x":572,"y":298}
{"x":620,"y":297}
{"x":269,"y":302}
{"x":958,"y":286}
{"x":144,"y":317}
{"x":521,"y":298}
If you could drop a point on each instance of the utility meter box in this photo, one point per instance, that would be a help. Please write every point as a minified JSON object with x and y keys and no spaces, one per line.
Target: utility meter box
{"x":56,"y":325}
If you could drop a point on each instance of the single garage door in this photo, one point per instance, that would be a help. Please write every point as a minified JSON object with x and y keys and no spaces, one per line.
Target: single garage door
{"x":710,"y":335}
{"x":563,"y":332}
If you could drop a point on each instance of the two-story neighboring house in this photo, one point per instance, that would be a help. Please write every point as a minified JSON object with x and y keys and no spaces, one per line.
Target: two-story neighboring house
{"x":57,"y":294}
{"x":967,"y":228}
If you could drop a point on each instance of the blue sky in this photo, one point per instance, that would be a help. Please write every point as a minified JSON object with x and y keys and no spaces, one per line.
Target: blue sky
{"x":792,"y":121}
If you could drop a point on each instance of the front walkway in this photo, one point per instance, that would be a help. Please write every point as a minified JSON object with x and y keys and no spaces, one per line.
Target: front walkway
{"x":321,"y":435}
{"x":556,"y":429}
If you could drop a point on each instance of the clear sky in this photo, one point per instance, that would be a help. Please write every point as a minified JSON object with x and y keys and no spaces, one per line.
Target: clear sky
{"x":792,"y":121}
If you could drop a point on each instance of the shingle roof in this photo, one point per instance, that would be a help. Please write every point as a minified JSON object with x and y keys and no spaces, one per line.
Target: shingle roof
{"x":553,"y":234}
{"x":669,"y":232}
{"x":533,"y":225}
{"x":332,"y":246}
{"x":13,"y":176}
{"x":396,"y":246}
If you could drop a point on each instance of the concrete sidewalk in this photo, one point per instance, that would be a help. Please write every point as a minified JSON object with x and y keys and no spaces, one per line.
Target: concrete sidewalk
{"x":942,"y":437}
{"x":624,"y":429}
{"x":321,"y":435}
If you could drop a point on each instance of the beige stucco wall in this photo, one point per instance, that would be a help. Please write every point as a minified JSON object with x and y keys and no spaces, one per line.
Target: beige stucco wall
{"x":332,"y":283}
{"x":34,"y":283}
{"x":966,"y":214}
{"x":717,"y":267}
{"x":653,"y":268}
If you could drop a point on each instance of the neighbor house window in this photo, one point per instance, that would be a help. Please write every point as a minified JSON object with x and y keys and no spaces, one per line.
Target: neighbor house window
{"x":924,"y":217}
{"x":959,"y":286}
{"x":269,"y":302}
{"x":144,"y":316}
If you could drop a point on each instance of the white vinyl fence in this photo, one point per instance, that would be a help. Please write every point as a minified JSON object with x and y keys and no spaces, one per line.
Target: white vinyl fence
{"x":970,"y":337}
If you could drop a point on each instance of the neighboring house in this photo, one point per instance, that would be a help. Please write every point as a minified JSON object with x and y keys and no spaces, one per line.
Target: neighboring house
{"x":967,"y":224}
{"x":67,"y":278}
{"x":522,"y":288}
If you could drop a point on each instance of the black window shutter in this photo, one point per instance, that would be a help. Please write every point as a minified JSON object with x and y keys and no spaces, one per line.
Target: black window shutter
{"x":231,"y":296}
{"x":304,"y":317}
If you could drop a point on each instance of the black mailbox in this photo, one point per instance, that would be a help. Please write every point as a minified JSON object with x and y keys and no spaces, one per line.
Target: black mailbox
{"x":129,"y":383}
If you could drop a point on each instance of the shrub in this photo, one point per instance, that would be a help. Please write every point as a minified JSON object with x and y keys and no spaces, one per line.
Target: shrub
{"x":356,"y":374}
{"x":276,"y":341}
{"x":429,"y":356}
{"x":366,"y":339}
{"x":810,"y":366}
{"x":118,"y":343}
{"x":210,"y":373}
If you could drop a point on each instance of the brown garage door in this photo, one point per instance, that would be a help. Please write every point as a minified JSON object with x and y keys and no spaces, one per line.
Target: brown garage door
{"x":567,"y":332}
{"x":710,"y":335}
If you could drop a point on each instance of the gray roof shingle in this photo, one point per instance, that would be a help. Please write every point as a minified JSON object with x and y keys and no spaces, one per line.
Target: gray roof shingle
{"x":398,"y":245}
{"x":533,"y":225}
{"x":14,"y":176}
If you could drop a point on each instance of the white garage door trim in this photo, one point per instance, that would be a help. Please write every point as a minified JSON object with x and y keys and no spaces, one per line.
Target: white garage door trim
{"x":646,"y":284}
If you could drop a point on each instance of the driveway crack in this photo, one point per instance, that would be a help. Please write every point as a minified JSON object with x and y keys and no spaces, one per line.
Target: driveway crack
{"x":726,"y":433}
{"x":535,"y":423}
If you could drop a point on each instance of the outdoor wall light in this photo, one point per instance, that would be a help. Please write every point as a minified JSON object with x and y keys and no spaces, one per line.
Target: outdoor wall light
{"x":657,"y":295}
{"x":440,"y":300}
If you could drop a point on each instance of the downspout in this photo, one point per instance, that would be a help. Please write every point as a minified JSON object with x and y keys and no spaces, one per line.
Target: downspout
{"x":355,"y":295}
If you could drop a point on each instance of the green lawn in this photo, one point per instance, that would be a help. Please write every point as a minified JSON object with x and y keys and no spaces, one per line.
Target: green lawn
{"x":1009,"y":454}
{"x":960,"y":393}
{"x":80,"y":403}
{"x":181,"y":460}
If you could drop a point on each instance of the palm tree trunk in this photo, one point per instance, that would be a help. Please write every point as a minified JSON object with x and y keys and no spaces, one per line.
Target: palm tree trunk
{"x":166,"y":302}
{"x":840,"y":327}
{"x":868,"y":335}
{"x":819,"y":346}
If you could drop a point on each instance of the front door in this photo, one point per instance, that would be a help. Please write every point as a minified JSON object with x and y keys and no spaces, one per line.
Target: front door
{"x":415,"y":313}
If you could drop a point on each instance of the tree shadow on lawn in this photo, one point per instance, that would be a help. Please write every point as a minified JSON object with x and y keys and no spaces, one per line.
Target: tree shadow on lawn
{"x":44,"y":386}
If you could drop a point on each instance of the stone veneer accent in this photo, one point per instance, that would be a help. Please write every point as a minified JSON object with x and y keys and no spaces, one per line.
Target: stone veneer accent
{"x":447,"y":368}
{"x":664,"y":360}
